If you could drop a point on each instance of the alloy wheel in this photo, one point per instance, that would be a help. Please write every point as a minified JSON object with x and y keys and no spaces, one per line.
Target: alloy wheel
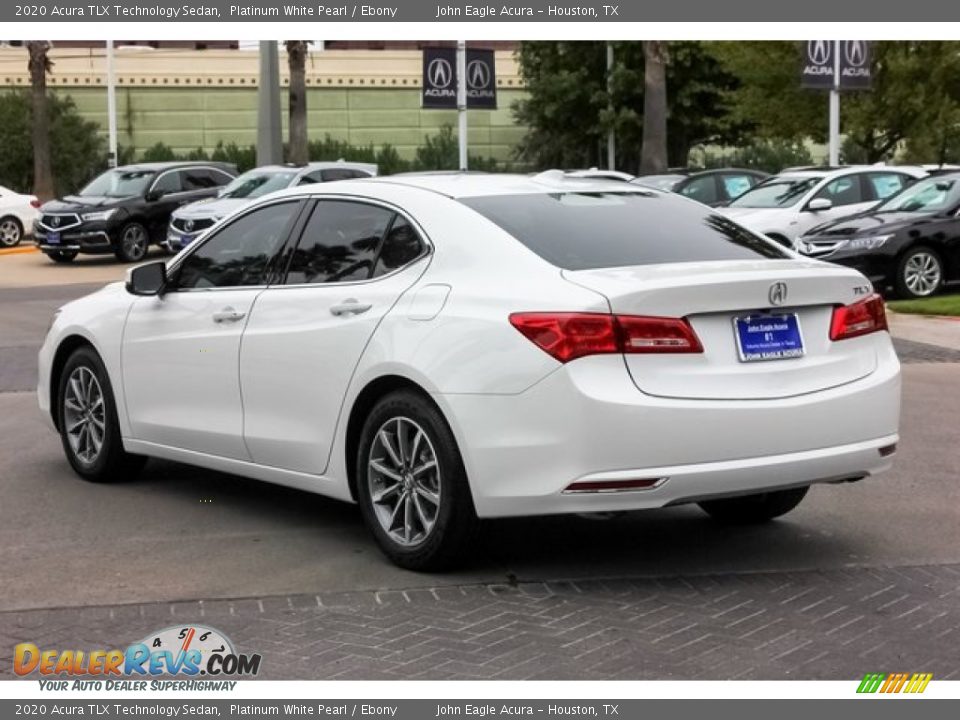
{"x":84,"y":415}
{"x":134,"y":242}
{"x":9,"y":233}
{"x":922,"y":274}
{"x":404,"y":481}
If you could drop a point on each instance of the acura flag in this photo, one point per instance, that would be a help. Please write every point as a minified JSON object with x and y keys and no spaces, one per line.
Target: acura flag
{"x":820,"y":61}
{"x":440,"y":79}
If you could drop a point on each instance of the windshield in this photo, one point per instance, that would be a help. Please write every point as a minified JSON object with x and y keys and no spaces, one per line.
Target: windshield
{"x":119,"y":183}
{"x":660,"y":182}
{"x":928,"y":196}
{"x":256,"y":183}
{"x":778,"y":192}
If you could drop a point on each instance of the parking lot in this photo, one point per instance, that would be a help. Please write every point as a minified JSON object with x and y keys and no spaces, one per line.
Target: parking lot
{"x":861,"y":577}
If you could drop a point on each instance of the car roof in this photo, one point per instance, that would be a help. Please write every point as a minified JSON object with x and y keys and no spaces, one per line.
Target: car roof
{"x":463,"y":185}
{"x":157,"y":166}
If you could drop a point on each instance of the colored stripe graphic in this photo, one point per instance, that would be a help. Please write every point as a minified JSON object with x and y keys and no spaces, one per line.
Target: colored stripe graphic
{"x":891,"y":683}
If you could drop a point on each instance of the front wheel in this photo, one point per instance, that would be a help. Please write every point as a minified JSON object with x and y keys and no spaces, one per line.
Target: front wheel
{"x":134,"y":242}
{"x":751,"y":509}
{"x":88,"y":422}
{"x":919,"y":273}
{"x":11,"y":232}
{"x":412,"y":486}
{"x":62,"y":256}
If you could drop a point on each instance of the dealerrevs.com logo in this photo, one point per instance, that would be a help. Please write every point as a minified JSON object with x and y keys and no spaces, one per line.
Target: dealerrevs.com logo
{"x":191,"y":652}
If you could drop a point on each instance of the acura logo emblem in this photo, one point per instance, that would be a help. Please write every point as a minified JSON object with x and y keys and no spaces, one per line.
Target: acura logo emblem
{"x":439,"y":73}
{"x":855,"y":53}
{"x":478,"y":74}
{"x":778,"y":293}
{"x":55,"y":221}
{"x":188,"y":225}
{"x":819,"y":51}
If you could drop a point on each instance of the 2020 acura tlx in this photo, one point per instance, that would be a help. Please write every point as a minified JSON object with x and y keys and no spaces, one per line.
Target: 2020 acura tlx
{"x":452,"y":347}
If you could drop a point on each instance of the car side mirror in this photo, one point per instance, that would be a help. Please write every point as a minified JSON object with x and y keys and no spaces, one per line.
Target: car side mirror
{"x":148,"y":280}
{"x":153,"y":195}
{"x":818,"y":204}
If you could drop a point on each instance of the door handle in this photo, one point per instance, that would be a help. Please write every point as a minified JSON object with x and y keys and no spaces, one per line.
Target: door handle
{"x":228,"y":314}
{"x":349,"y":307}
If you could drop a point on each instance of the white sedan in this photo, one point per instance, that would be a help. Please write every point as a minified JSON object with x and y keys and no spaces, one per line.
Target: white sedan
{"x":17,"y":215}
{"x":445,"y":348}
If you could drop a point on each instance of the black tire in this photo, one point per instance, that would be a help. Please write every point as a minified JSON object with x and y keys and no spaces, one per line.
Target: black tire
{"x":62,"y":256}
{"x":919,"y":273}
{"x":455,"y":523}
{"x":751,"y":509}
{"x":111,"y":463}
{"x":11,"y":231}
{"x":133,"y":243}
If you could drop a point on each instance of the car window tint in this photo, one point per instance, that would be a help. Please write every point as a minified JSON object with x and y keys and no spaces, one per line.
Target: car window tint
{"x":341,"y":174}
{"x":401,"y":247}
{"x":169,"y":182}
{"x":339,"y":243}
{"x":580,"y":231}
{"x":842,"y":191}
{"x":198,"y":179}
{"x":886,"y":184}
{"x":702,"y":189}
{"x":736,"y":185}
{"x":240,"y":253}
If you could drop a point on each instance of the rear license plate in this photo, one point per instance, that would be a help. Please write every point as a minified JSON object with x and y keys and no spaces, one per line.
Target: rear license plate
{"x":768,"y":337}
{"x":53,"y":238}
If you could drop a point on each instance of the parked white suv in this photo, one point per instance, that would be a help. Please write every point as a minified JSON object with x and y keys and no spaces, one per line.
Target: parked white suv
{"x":785,"y":206}
{"x":17,"y":215}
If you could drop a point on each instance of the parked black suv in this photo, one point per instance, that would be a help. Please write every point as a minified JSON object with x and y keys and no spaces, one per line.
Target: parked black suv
{"x":126,"y":209}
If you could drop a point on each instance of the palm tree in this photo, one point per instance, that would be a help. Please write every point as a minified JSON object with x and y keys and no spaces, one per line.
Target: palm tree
{"x":653,"y":153}
{"x":39,"y":65}
{"x":297,"y":60}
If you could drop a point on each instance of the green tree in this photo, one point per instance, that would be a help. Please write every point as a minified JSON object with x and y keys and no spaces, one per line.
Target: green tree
{"x":77,"y":150}
{"x":653,"y":151}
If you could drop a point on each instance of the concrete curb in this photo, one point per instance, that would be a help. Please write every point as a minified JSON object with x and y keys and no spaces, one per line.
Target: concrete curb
{"x":20,"y":250}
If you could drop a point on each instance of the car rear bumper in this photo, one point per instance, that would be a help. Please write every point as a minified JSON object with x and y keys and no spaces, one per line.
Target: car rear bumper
{"x":587,"y":423}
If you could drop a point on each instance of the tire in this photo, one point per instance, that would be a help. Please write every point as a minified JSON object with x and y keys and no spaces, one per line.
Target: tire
{"x":83,"y":380}
{"x":439,"y":521}
{"x":11,"y":232}
{"x":919,"y":273}
{"x":62,"y":256}
{"x":751,"y":509}
{"x":133,"y":243}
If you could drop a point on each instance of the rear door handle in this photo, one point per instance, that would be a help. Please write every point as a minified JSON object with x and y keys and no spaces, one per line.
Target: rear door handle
{"x":350,"y":307}
{"x":228,"y":314}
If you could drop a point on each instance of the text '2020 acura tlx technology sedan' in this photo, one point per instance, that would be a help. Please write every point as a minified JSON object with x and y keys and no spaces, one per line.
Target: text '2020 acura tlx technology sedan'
{"x":446,"y":348}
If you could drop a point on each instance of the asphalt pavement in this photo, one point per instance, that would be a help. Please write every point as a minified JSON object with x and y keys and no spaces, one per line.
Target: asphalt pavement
{"x":83,"y":562}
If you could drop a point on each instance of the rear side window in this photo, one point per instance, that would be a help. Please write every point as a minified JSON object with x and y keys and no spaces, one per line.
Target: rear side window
{"x":702,"y":189}
{"x":342,"y":174}
{"x":581,"y":231}
{"x":884,"y":185}
{"x":401,"y":247}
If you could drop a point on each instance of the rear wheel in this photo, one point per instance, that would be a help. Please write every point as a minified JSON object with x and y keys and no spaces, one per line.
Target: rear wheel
{"x":919,"y":273}
{"x":751,"y":509}
{"x":412,"y":485}
{"x":134,"y":242}
{"x":62,"y":256}
{"x":88,"y":422}
{"x":11,"y":232}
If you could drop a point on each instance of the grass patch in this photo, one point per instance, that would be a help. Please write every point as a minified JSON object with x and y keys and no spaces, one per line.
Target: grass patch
{"x":938,"y":305}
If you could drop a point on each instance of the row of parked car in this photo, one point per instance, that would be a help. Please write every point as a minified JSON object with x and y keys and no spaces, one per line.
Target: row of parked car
{"x":898,"y":225}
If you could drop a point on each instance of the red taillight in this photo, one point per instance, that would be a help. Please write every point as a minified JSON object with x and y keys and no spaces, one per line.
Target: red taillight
{"x":35,"y":203}
{"x":568,"y":336}
{"x":861,"y":318}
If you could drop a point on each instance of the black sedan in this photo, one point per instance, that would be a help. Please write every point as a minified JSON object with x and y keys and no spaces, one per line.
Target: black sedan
{"x":711,"y":187}
{"x":910,"y":242}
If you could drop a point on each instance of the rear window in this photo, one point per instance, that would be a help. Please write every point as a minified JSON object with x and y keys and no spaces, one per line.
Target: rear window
{"x":582,"y":231}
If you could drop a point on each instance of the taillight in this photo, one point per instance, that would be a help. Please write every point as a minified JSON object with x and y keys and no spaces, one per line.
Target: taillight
{"x":861,"y":318}
{"x":568,"y":336}
{"x":35,"y":203}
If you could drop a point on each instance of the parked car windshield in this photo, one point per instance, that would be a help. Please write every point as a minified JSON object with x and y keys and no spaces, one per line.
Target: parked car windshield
{"x":927,"y":196}
{"x":660,"y":182}
{"x":119,"y":183}
{"x":581,"y":231}
{"x":778,"y":192}
{"x":255,"y":183}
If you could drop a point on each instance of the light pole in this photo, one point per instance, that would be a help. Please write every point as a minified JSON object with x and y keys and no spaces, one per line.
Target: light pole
{"x":462,"y":101}
{"x":111,"y":108}
{"x":835,"y":107}
{"x":269,"y":142}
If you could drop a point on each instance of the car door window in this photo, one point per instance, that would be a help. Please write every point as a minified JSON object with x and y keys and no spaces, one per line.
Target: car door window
{"x":241,"y":254}
{"x":702,"y":189}
{"x":401,"y":247}
{"x":843,"y":191}
{"x":168,"y":182}
{"x":883,"y":185}
{"x":339,"y":243}
{"x":199,"y":179}
{"x":736,"y":185}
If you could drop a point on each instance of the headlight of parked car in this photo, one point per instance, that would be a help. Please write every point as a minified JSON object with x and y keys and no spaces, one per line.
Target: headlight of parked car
{"x":98,"y":215}
{"x":871,"y":242}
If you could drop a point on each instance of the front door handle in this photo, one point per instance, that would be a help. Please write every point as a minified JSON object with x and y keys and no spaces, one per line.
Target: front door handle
{"x":228,"y":314}
{"x":350,"y":307}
